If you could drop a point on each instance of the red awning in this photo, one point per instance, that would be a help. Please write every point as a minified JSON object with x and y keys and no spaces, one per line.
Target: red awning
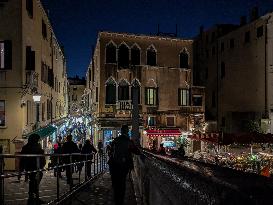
{"x":227,"y":139}
{"x":163,"y":132}
{"x":206,"y":137}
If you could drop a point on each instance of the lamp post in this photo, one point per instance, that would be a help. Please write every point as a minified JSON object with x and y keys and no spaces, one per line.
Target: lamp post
{"x":37,"y":98}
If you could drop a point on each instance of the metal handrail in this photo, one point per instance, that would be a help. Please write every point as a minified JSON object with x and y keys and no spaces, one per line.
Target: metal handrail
{"x":98,"y":160}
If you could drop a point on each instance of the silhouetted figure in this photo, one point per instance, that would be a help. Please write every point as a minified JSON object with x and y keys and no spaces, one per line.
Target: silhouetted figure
{"x":57,"y":149}
{"x":162,"y":150}
{"x":181,"y":151}
{"x":30,"y":164}
{"x":100,"y":147}
{"x":121,"y":162}
{"x":69,"y":147}
{"x":88,"y":148}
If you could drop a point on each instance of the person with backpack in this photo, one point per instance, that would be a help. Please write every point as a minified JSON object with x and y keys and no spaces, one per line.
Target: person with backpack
{"x":121,"y":162}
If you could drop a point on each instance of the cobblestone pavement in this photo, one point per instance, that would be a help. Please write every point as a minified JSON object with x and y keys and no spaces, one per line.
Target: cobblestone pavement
{"x":100,"y":193}
{"x":16,"y":192}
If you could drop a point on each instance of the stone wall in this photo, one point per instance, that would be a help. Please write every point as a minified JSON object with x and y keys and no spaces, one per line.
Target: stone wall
{"x":166,"y":181}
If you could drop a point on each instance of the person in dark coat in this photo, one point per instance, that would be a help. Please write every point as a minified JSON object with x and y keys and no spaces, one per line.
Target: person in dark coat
{"x":69,"y":147}
{"x":88,"y":148}
{"x":121,"y":162}
{"x":162,"y":150}
{"x":30,"y":164}
{"x":57,"y":149}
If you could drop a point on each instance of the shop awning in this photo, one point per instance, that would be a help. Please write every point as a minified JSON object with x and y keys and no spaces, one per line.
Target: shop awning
{"x":163,"y":133}
{"x":234,"y":138}
{"x":44,"y":131}
{"x":206,"y":137}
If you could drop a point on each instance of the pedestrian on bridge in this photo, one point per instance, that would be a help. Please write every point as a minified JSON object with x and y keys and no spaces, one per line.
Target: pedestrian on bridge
{"x":30,"y":164}
{"x":69,"y":147}
{"x":121,"y":162}
{"x":88,"y":148}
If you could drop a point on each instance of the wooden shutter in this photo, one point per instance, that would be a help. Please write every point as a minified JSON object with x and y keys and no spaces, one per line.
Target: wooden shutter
{"x":157,"y":96}
{"x":179,"y":97}
{"x":32,"y":60}
{"x":8,"y":54}
{"x":146,"y":97}
{"x":28,"y":58}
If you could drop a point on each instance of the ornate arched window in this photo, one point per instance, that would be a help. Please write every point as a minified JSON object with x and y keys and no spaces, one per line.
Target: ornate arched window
{"x":110,"y":95}
{"x":135,"y":88}
{"x":123,"y":90}
{"x":111,"y":53}
{"x":123,"y":56}
{"x":135,"y":55}
{"x":184,"y":59}
{"x":151,"y":56}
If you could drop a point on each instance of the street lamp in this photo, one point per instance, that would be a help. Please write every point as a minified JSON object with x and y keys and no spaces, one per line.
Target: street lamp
{"x":37,"y":98}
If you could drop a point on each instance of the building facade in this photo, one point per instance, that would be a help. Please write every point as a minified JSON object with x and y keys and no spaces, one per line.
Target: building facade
{"x":32,"y":64}
{"x":235,"y":66}
{"x":160,"y":69}
{"x":76,"y":90}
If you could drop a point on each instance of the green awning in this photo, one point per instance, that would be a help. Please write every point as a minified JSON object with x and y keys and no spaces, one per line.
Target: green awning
{"x":44,"y":131}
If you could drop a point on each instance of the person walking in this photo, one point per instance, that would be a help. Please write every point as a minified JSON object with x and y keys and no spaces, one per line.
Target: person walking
{"x":69,"y":147}
{"x":121,"y":162}
{"x":29,"y":164}
{"x":88,"y":148}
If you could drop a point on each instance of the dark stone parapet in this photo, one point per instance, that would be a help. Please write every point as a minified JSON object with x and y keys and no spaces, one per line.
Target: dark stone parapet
{"x":164,"y":180}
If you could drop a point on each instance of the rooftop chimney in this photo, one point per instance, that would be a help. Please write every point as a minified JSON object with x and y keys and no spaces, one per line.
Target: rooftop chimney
{"x":254,"y":14}
{"x":242,"y":20}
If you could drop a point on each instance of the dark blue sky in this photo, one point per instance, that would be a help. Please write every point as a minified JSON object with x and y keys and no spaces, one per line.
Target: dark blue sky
{"x":77,"y":22}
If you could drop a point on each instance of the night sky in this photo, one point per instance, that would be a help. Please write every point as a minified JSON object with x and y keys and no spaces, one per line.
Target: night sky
{"x":77,"y":22}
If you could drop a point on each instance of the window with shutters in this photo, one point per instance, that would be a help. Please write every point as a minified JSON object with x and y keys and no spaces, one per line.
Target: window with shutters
{"x":247,"y":37}
{"x":123,"y":90}
{"x":29,"y":8}
{"x":110,"y":97}
{"x":135,"y":85}
{"x":260,"y":31}
{"x":49,"y":108}
{"x":97,"y":94}
{"x":30,"y":58}
{"x":123,"y":56}
{"x":151,"y":96}
{"x":2,"y":113}
{"x":183,"y":97}
{"x":44,"y":30}
{"x":5,"y":55}
{"x":135,"y":55}
{"x":43,"y":111}
{"x":110,"y":53}
{"x":184,"y":59}
{"x":151,"y":56}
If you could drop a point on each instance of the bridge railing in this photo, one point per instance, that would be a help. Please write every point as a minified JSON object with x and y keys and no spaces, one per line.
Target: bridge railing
{"x":53,"y":188}
{"x":169,"y":181}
